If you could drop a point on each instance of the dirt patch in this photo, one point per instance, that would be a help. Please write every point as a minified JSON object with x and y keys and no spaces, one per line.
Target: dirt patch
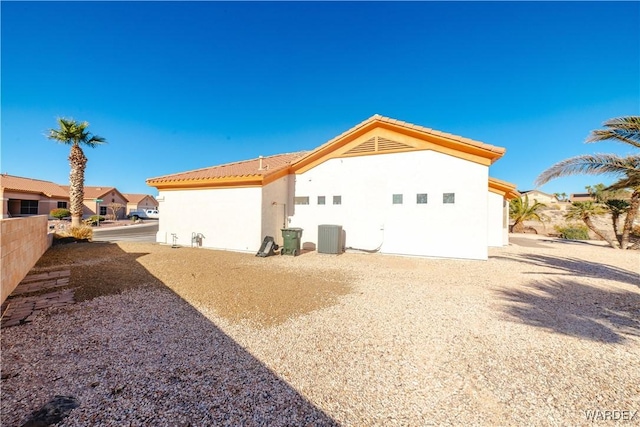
{"x":237,"y":286}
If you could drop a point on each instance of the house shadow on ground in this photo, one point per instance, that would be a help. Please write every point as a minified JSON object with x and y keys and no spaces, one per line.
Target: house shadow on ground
{"x":576,"y":309}
{"x":141,"y":356}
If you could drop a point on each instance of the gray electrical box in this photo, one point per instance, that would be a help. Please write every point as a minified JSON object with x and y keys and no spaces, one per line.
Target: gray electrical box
{"x":329,"y":239}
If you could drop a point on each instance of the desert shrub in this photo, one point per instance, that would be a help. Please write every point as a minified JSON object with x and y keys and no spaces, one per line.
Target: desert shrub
{"x":81,"y":232}
{"x":60,"y":213}
{"x":635,"y":231}
{"x":573,"y":232}
{"x":93,"y":220}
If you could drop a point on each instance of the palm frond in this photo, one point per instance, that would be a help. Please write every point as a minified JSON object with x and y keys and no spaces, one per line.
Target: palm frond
{"x":74,"y":133}
{"x":596,"y":164}
{"x":621,"y":129}
{"x":630,"y":181}
{"x":581,"y":210}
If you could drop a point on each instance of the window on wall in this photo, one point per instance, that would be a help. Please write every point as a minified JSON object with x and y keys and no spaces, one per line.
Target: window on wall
{"x":397,"y":199}
{"x":321,"y":200}
{"x":301,"y":200}
{"x":449,"y":198}
{"x":421,"y":198}
{"x":28,"y":207}
{"x":337,"y":200}
{"x":103,"y":210}
{"x":62,"y":205}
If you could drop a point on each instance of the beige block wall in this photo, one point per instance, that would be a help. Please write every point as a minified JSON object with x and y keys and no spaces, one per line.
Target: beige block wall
{"x":22,"y":243}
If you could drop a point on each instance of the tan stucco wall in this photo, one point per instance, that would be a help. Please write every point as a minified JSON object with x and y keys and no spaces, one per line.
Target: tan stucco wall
{"x":146,"y":203}
{"x":11,"y":203}
{"x":22,"y":243}
{"x":112,"y":197}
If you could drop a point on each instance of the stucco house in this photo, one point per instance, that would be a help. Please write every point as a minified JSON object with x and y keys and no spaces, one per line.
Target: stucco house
{"x":394,"y":187}
{"x":540,"y":197}
{"x":108,"y":195}
{"x":26,"y":196}
{"x":140,"y":202}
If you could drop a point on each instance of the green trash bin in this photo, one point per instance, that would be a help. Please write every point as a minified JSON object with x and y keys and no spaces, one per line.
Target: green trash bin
{"x":291,"y":238}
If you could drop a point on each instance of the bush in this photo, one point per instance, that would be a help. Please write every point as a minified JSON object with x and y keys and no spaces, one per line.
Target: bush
{"x":81,"y":232}
{"x":93,"y":220}
{"x":573,"y":232}
{"x":635,"y":231}
{"x":60,"y":213}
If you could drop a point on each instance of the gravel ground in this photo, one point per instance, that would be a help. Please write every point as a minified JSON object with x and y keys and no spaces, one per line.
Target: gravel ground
{"x":539,"y":334}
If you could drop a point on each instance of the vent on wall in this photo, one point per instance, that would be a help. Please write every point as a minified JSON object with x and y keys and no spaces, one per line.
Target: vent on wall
{"x":369,"y":146}
{"x":385,"y":144}
{"x":378,"y":144}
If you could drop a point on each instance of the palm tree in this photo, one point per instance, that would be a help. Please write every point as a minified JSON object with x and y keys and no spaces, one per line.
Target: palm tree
{"x":75,"y":133}
{"x":613,"y":201}
{"x":626,"y":169}
{"x":617,"y":208}
{"x":520,"y":211}
{"x":585,"y":211}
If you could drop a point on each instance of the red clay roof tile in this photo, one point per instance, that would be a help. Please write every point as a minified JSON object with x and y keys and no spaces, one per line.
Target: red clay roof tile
{"x":245,"y":168}
{"x":29,"y":185}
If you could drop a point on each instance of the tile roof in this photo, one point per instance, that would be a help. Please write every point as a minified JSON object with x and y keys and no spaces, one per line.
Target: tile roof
{"x":507,"y":187}
{"x":272,"y":164}
{"x":93,"y":192}
{"x":499,"y":151}
{"x":245,"y":168}
{"x":29,"y":185}
{"x":136,"y":198}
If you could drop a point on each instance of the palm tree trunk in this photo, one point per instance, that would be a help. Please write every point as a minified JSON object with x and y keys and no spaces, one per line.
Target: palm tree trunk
{"x":78,"y":163}
{"x":589,"y":224}
{"x":615,"y":216}
{"x":631,"y":216}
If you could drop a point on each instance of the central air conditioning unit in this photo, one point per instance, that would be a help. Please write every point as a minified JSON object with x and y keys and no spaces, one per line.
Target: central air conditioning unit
{"x":330,"y":239}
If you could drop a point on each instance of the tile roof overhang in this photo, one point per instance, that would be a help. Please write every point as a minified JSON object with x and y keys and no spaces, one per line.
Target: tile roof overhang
{"x":503,"y":188}
{"x":412,"y":138}
{"x":32,"y":186}
{"x":247,"y":173}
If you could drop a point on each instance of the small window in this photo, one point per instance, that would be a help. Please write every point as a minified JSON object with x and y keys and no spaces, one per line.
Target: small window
{"x":421,"y":198}
{"x":62,"y":205}
{"x":397,"y":199}
{"x":29,"y":207}
{"x":321,"y":200}
{"x":449,"y":198}
{"x":103,"y":210}
{"x":337,"y":200}
{"x":301,"y":200}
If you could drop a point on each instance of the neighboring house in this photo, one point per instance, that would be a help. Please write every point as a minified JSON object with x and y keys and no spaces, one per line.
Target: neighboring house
{"x":138,"y":202}
{"x":27,"y":196}
{"x":394,"y":187}
{"x":581,"y":197}
{"x":540,"y":197}
{"x":587,"y":197}
{"x":108,"y":195}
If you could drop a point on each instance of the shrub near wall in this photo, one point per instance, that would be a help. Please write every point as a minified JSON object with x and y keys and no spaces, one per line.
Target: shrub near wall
{"x":573,"y":232}
{"x":22,"y":243}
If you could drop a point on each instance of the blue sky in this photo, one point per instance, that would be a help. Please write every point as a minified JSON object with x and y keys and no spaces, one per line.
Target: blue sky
{"x":175,"y":86}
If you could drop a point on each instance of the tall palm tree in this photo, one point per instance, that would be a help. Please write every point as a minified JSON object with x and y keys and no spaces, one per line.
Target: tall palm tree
{"x":75,"y":133}
{"x":520,"y":210}
{"x":626,"y":169}
{"x":585,"y":211}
